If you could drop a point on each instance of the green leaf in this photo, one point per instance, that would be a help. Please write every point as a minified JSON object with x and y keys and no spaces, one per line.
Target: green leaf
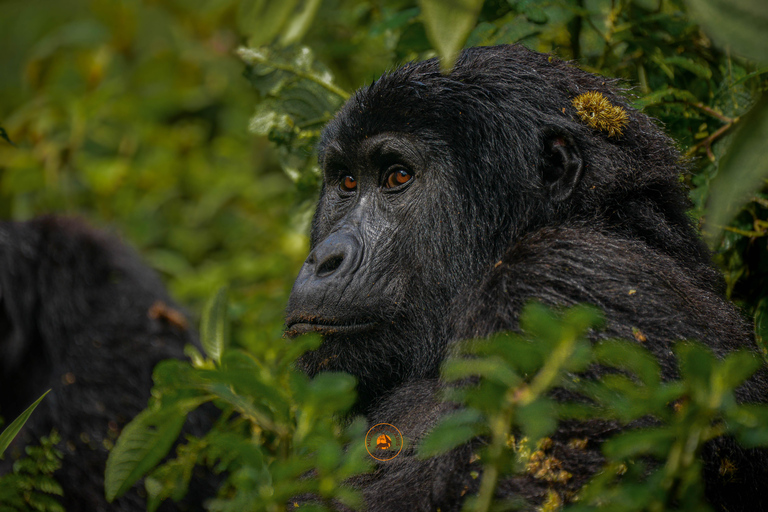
{"x":738,"y":367}
{"x":743,"y":170}
{"x":143,"y":443}
{"x":639,"y":442}
{"x":625,"y":355}
{"x":453,"y":430}
{"x":761,"y":326}
{"x":215,"y":326}
{"x":448,"y":24}
{"x":738,"y":24}
{"x":11,"y":430}
{"x":538,"y":418}
{"x":263,"y":20}
{"x":4,"y":135}
{"x":492,"y":368}
{"x":694,"y":67}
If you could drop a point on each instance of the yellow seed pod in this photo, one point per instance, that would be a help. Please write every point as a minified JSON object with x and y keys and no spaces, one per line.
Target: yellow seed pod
{"x":595,"y":110}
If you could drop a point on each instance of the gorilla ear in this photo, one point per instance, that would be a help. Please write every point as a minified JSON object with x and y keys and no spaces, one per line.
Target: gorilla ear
{"x":561,"y":165}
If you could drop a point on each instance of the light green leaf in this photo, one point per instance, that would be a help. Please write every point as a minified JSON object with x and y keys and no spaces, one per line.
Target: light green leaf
{"x":740,"y":24}
{"x":448,"y":24}
{"x":215,"y":327}
{"x":11,"y":430}
{"x":743,"y":170}
{"x":143,"y":443}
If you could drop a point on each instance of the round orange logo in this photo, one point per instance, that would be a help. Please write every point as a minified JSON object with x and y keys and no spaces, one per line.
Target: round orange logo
{"x":383,"y":441}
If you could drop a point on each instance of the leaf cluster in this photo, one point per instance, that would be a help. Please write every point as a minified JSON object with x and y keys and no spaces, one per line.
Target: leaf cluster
{"x":275,"y":438}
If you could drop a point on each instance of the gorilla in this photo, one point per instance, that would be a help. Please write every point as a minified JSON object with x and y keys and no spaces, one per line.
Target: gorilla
{"x":82,"y":316}
{"x":449,"y":201}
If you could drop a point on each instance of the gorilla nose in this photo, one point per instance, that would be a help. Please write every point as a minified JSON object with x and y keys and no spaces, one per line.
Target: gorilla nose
{"x":338,"y":255}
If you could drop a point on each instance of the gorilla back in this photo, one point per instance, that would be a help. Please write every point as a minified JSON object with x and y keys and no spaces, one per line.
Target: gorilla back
{"x":450,"y":200}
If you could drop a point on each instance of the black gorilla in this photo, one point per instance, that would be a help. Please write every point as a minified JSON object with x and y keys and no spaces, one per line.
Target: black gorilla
{"x":449,"y":201}
{"x":79,"y":313}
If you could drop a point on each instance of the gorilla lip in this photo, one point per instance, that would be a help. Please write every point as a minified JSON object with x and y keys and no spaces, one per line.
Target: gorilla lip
{"x":303,"y":325}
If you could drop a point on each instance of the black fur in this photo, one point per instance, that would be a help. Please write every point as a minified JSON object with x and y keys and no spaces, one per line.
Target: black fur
{"x":512,"y":198}
{"x":81,"y":315}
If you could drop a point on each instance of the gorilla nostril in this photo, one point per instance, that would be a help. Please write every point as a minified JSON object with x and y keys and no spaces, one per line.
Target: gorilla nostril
{"x":330,"y":265}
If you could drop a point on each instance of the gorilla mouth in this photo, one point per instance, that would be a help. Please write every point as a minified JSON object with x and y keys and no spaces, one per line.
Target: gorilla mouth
{"x":301,"y":324}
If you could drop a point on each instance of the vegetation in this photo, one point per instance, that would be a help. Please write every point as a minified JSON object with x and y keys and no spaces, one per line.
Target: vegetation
{"x":134,"y":114}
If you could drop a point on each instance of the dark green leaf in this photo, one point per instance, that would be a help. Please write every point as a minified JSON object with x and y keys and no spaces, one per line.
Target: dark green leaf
{"x":143,"y":443}
{"x":11,"y":430}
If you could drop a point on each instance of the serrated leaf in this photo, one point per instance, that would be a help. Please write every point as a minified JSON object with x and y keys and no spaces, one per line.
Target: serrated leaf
{"x":215,"y":325}
{"x":448,"y":24}
{"x":453,"y":430}
{"x":738,"y":24}
{"x":743,"y":170}
{"x":13,"y":429}
{"x":143,"y":443}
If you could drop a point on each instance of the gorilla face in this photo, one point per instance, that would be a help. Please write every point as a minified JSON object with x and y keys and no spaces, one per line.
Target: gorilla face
{"x":375,"y":284}
{"x":425,"y":184}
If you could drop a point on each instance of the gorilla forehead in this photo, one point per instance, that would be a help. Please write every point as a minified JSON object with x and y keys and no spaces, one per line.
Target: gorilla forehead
{"x":488,"y":82}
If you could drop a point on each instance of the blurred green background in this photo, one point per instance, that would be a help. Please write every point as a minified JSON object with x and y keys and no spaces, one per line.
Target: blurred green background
{"x":134,"y":114}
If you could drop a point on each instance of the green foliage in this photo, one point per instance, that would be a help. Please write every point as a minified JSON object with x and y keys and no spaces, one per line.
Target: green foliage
{"x":448,"y":24}
{"x":297,"y":97}
{"x":31,"y":485}
{"x":504,"y":384}
{"x":7,"y":435}
{"x":277,"y":436}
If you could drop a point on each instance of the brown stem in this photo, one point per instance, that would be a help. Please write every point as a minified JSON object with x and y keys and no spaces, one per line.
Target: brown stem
{"x":707,"y":143}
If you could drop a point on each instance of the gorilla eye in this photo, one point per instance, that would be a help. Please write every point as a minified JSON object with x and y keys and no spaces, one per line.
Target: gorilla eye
{"x":399,"y":176}
{"x":349,"y":184}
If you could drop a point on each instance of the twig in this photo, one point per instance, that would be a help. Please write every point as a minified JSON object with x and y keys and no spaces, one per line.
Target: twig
{"x":707,"y":143}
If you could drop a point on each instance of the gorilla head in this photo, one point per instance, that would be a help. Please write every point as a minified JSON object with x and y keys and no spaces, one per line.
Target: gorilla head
{"x":428,"y":178}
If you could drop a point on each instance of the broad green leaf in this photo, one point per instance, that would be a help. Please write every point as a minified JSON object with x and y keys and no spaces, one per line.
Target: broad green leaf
{"x":738,"y":24}
{"x":743,"y":170}
{"x":448,"y":24}
{"x":453,"y":430}
{"x":11,"y":430}
{"x":144,"y":442}
{"x":215,"y":325}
